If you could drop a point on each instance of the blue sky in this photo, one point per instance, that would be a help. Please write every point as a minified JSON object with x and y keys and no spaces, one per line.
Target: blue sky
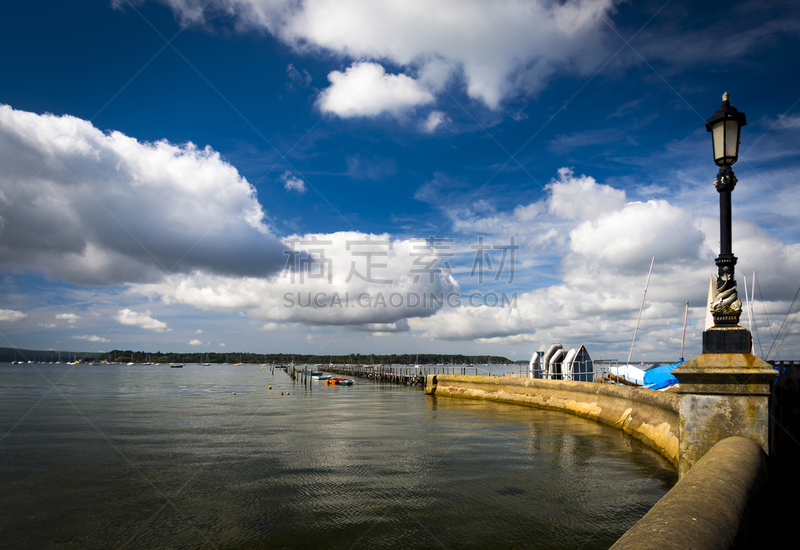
{"x":161,"y":159}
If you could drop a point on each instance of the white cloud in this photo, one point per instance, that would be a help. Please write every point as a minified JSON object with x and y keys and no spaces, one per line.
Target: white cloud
{"x":638,"y":232}
{"x":582,"y":197}
{"x":11,"y":315}
{"x":433,"y":121}
{"x":70,"y":318}
{"x":497,"y":48}
{"x":92,"y":338}
{"x":593,"y":248}
{"x":344,"y":278}
{"x":143,"y":320}
{"x":292,"y":183}
{"x":222,"y":345}
{"x":195,"y":342}
{"x":199,"y":331}
{"x":365,"y":89}
{"x":100,"y":208}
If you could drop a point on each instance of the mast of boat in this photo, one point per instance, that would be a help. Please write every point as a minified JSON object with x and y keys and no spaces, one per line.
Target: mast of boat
{"x":753,"y":294}
{"x":747,"y":306}
{"x":641,"y":308}
{"x":683,"y":338}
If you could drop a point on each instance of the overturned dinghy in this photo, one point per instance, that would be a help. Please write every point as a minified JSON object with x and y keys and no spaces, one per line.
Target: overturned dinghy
{"x":630,"y":375}
{"x":652,"y":377}
{"x":558,"y":363}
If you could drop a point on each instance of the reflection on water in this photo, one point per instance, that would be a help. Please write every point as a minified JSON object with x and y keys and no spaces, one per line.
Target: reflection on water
{"x":147,"y":456}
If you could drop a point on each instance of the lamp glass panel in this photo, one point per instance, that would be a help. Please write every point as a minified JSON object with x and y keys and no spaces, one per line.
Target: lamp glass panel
{"x":718,"y":135}
{"x":731,"y":138}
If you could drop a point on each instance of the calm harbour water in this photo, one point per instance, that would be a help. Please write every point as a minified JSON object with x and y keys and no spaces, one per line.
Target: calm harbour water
{"x":152,"y":457}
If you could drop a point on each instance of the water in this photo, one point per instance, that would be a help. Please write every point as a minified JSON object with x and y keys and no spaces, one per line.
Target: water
{"x":148,"y":456}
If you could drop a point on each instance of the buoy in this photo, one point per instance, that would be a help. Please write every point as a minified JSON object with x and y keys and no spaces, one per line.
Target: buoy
{"x":270,"y":387}
{"x":262,"y":368}
{"x":281,"y":393}
{"x":234,"y":393}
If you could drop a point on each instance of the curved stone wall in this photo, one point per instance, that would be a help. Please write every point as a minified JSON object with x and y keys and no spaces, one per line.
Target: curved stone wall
{"x":648,"y":415}
{"x":718,"y":504}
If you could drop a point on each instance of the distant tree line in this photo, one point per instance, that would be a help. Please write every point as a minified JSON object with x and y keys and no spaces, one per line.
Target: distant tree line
{"x":125,"y":356}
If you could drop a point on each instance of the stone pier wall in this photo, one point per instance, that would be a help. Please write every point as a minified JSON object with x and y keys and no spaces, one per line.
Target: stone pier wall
{"x":650,"y":416}
{"x":719,"y":504}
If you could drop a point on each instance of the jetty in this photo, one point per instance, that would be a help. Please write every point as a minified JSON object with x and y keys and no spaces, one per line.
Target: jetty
{"x":398,"y":374}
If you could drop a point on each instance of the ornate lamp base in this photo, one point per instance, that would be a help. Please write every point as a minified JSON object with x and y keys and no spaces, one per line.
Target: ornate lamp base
{"x":727,"y":339}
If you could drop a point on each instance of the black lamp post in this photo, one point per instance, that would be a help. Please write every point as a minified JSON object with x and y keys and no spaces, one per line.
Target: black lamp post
{"x":725,"y":390}
{"x":725,"y":127}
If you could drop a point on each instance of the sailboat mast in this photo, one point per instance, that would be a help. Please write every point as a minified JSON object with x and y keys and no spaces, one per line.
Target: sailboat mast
{"x":641,"y":308}
{"x":747,"y":305}
{"x":685,"y":317}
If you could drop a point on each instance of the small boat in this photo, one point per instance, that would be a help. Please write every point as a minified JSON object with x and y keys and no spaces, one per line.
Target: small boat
{"x":176,"y":365}
{"x":338,"y":382}
{"x":628,"y":374}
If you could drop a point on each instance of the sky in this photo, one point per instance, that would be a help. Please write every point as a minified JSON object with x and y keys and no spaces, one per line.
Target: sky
{"x":333,"y":177}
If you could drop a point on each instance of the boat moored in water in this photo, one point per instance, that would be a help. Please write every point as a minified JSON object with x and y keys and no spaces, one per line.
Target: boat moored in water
{"x":338,"y":382}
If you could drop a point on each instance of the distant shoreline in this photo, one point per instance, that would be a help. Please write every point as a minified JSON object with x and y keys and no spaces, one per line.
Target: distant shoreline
{"x":20,"y":354}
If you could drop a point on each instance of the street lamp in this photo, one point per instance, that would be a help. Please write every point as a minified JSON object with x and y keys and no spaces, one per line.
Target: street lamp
{"x":725,"y":391}
{"x":725,"y":126}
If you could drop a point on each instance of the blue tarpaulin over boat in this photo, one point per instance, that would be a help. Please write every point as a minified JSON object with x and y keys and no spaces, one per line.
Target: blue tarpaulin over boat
{"x":661,"y":377}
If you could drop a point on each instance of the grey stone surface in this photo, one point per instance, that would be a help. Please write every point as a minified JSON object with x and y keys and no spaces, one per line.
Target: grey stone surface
{"x":718,"y":505}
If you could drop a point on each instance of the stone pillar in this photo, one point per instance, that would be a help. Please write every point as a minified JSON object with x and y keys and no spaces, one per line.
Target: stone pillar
{"x":725,"y":393}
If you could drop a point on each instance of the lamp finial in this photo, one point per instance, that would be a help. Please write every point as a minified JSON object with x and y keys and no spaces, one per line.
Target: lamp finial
{"x":726,"y":96}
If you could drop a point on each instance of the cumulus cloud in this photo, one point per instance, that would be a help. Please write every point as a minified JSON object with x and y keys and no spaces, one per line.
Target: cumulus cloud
{"x":582,"y":197}
{"x":195,"y":342}
{"x":364,"y":89}
{"x":91,"y":338}
{"x":433,"y":121}
{"x":11,"y":315}
{"x":639,"y":231}
{"x":593,"y":248}
{"x":497,"y":48}
{"x":70,"y":318}
{"x":344,"y":278}
{"x":142,"y":320}
{"x":103,"y":208}
{"x":292,"y":183}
